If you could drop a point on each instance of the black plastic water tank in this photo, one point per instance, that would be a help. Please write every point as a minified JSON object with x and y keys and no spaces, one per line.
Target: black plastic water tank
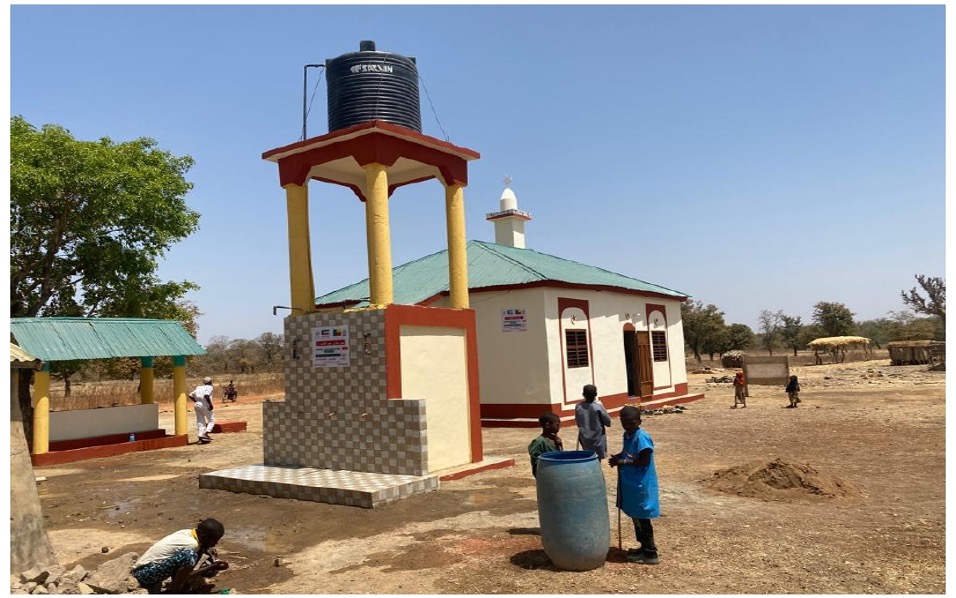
{"x":370,"y":85}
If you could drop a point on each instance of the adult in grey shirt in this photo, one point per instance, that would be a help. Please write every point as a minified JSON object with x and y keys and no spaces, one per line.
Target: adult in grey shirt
{"x":592,"y":418}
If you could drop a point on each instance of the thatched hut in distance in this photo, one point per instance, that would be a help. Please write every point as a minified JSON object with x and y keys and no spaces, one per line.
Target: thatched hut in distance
{"x":733,"y":359}
{"x":839,"y":346}
{"x":914,"y":352}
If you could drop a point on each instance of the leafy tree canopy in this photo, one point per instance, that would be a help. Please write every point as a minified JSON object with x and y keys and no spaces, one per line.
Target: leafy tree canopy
{"x":789,"y":331}
{"x":89,"y":221}
{"x":703,"y":326}
{"x":834,"y":319}
{"x":740,"y":337}
{"x":934,"y":304}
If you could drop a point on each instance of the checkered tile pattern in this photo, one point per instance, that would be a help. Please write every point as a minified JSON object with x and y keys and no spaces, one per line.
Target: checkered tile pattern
{"x":339,"y":418}
{"x":351,"y":488}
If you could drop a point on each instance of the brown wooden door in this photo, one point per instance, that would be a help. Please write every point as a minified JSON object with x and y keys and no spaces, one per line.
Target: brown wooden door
{"x":644,"y":365}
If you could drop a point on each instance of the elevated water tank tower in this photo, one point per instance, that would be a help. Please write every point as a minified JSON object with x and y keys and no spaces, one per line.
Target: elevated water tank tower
{"x":370,"y":85}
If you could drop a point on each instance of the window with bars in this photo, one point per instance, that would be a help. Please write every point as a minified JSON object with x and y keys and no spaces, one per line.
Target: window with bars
{"x":576,"y":347}
{"x":659,"y":346}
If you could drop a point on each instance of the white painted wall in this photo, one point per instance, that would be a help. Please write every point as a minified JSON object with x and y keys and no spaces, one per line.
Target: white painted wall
{"x":675,"y":343}
{"x":526,"y":367}
{"x":609,"y":312}
{"x":513,"y":366}
{"x":435,"y":368}
{"x":657,"y":322}
{"x":89,"y":423}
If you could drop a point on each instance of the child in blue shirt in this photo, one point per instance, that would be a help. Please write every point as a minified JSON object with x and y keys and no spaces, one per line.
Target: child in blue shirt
{"x":638,"y":494}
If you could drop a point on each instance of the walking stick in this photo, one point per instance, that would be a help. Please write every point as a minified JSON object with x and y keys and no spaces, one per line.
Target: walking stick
{"x":620,"y":545}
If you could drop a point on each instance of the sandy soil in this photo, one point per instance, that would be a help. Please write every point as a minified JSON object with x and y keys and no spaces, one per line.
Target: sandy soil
{"x":845,"y":494}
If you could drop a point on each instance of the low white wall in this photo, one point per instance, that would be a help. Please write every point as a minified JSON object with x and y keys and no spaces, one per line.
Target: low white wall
{"x":435,"y":368}
{"x":88,"y":423}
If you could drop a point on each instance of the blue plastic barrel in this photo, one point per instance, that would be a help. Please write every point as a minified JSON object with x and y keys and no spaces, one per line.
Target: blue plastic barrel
{"x":572,"y":510}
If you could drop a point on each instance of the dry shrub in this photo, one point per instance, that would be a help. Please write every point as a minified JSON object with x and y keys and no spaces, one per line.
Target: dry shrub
{"x":112,"y":393}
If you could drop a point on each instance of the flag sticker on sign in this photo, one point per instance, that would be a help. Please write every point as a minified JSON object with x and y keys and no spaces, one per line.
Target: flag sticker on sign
{"x":330,"y":346}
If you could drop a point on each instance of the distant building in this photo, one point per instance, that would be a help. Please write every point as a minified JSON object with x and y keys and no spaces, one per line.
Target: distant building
{"x":547,"y":326}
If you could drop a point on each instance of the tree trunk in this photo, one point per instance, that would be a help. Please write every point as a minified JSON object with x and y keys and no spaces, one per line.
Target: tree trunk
{"x":29,"y":543}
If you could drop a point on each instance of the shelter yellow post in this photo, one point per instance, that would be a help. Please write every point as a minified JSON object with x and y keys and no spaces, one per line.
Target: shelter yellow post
{"x":146,"y":381}
{"x":179,"y":394}
{"x":41,"y":411}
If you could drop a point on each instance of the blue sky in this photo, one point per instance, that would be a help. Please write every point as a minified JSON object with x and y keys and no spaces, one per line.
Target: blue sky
{"x":754,"y":157}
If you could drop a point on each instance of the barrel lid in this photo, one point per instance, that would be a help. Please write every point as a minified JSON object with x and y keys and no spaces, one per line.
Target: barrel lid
{"x":568,"y":456}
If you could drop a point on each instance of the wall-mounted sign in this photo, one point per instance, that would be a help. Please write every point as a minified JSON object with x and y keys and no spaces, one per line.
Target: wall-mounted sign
{"x":330,"y":346}
{"x":513,"y":320}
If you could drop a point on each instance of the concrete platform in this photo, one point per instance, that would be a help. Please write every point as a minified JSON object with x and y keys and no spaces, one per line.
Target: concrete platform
{"x":353,"y":488}
{"x":81,"y":449}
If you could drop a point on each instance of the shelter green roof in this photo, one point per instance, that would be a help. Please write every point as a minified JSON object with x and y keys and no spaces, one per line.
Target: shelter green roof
{"x":63,"y":339}
{"x":491,"y":265}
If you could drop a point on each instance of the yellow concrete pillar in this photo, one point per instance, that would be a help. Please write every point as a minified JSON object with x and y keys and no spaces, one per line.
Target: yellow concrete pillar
{"x":179,"y":395}
{"x":41,"y":411}
{"x":457,"y":246}
{"x":300,"y":249}
{"x":146,"y":381}
{"x":378,"y":235}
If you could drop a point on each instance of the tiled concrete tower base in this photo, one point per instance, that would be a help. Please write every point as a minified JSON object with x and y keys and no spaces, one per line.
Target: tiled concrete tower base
{"x":339,"y":417}
{"x":337,"y":438}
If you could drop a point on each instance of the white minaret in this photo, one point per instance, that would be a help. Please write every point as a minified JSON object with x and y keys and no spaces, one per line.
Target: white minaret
{"x":509,"y":222}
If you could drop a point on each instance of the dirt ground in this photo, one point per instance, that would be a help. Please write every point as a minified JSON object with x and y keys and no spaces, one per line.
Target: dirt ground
{"x":845,"y":494}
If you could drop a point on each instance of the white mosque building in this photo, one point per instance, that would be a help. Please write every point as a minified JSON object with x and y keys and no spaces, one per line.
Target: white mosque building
{"x":546,"y":326}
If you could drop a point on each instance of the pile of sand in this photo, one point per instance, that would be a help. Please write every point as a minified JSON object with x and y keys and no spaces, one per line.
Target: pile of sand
{"x":779,"y":480}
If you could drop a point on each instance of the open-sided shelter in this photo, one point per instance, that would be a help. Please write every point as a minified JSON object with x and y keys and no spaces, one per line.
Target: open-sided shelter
{"x":64,"y":435}
{"x":839,"y":346}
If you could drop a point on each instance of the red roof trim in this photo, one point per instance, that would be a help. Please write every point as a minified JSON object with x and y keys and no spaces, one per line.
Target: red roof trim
{"x":383,"y":126}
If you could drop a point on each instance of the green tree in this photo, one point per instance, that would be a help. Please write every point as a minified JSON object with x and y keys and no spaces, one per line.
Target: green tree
{"x":702,"y":325}
{"x":835,"y":319}
{"x":880,"y":330}
{"x":769,"y":324}
{"x":717,"y":343}
{"x":271,"y":345}
{"x":789,"y":332}
{"x":740,"y":337}
{"x":810,"y":332}
{"x":89,"y":221}
{"x":906,"y":326}
{"x":934,"y":304}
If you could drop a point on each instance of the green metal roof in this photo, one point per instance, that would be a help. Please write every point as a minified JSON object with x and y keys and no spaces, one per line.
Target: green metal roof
{"x":63,"y":339}
{"x":491,"y":265}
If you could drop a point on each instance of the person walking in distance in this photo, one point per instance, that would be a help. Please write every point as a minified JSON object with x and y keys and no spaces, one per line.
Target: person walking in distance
{"x":793,"y":392}
{"x":201,"y":397}
{"x":740,"y":390}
